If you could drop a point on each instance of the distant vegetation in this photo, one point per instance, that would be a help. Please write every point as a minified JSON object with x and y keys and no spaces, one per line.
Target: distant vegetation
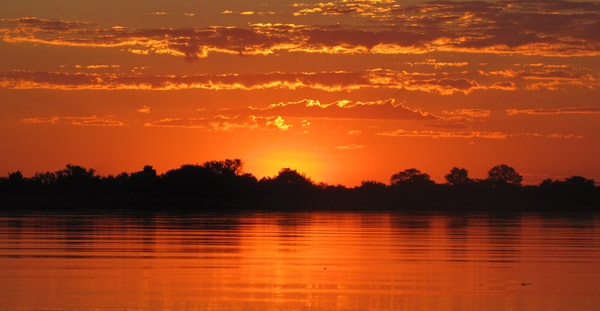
{"x":223,"y":184}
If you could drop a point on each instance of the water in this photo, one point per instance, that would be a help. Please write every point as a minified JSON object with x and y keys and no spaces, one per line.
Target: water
{"x":300,"y":261}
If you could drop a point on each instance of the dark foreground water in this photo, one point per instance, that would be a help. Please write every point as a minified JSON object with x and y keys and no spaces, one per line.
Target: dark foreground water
{"x":303,"y":261}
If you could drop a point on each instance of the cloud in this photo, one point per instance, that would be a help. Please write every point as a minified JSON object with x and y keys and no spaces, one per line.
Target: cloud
{"x":472,"y":113}
{"x":34,"y":24}
{"x":437,"y":64}
{"x":447,"y":125}
{"x":527,"y":27}
{"x":349,"y":147}
{"x":279,"y":123}
{"x":144,"y":109}
{"x":445,"y":134}
{"x":42,"y":120}
{"x":295,"y":116}
{"x":193,"y":123}
{"x":443,"y":86}
{"x":94,"y":121}
{"x":563,"y":136}
{"x":550,"y":28}
{"x":345,"y":109}
{"x":550,"y":111}
{"x":81,"y":121}
{"x":327,"y":81}
{"x":221,"y":123}
{"x":473,"y":134}
{"x":442,"y":83}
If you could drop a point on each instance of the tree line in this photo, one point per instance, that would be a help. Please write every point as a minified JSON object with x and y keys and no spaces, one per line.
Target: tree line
{"x":214,"y":183}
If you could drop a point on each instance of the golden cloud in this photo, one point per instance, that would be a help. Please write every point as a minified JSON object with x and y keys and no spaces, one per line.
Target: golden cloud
{"x":82,"y":121}
{"x":551,"y":111}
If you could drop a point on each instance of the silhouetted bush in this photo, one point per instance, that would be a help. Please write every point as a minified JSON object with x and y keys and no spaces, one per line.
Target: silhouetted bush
{"x":412,"y":177}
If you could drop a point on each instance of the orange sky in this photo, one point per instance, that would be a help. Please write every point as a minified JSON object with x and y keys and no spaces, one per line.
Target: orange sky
{"x":344,"y":91}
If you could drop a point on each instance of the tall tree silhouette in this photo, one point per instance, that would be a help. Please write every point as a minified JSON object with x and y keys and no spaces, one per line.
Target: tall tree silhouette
{"x":458,"y":176}
{"x":504,"y":174}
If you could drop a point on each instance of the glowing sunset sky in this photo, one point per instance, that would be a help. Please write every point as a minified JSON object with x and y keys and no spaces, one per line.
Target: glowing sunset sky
{"x":344,"y":90}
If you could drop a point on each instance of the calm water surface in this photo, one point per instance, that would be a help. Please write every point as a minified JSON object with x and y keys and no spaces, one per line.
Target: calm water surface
{"x":301,"y":261}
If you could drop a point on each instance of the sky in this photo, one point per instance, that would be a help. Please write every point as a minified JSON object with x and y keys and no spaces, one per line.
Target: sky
{"x":344,"y":91}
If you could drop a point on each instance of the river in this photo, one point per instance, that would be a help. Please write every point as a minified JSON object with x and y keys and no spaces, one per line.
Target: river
{"x":299,"y":261}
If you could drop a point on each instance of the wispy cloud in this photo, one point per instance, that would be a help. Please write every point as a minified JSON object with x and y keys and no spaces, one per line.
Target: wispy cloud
{"x":346,"y":109}
{"x":326,"y":81}
{"x":221,"y":123}
{"x":444,"y":134}
{"x":550,"y":111}
{"x":193,"y":123}
{"x":144,"y":109}
{"x":349,"y":147}
{"x":81,"y":121}
{"x":472,"y":113}
{"x":474,"y":134}
{"x":41,"y":120}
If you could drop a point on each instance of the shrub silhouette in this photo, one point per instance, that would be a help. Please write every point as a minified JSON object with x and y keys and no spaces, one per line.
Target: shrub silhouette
{"x":15,"y":177}
{"x":287,"y":176}
{"x":287,"y":183}
{"x":411,"y":176}
{"x":75,"y":173}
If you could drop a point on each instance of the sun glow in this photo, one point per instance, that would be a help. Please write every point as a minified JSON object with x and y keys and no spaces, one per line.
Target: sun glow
{"x":269,"y":162}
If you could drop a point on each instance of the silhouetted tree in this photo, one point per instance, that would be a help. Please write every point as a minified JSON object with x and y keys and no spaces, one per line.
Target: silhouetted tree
{"x":411,"y":176}
{"x":188,"y":179}
{"x":504,"y":174}
{"x":575,"y":190}
{"x":142,"y":181}
{"x":372,"y":184}
{"x":458,"y":176}
{"x":76,"y":180}
{"x":16,"y":183}
{"x":287,"y":184}
{"x":225,"y":168}
{"x":15,"y":178}
{"x":75,"y":173}
{"x":147,"y":175}
{"x":547,"y":183}
{"x":580,"y":182}
{"x":215,"y":179}
{"x":47,"y":178}
{"x":372,"y":189}
{"x":223,"y":181}
{"x":287,"y":176}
